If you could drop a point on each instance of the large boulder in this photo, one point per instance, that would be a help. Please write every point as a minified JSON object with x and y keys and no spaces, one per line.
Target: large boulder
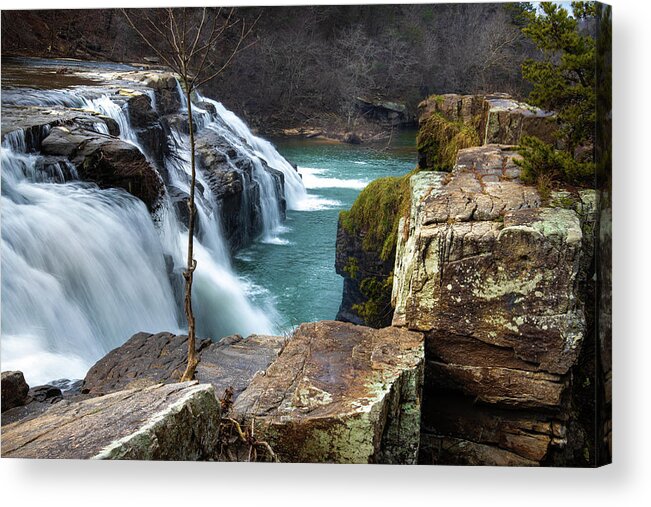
{"x":107,"y":161}
{"x":159,"y":422}
{"x":493,"y":278}
{"x":14,"y":390}
{"x":340,"y":393}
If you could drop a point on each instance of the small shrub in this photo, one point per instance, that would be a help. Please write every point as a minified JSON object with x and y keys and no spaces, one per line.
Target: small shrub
{"x":543,"y":166}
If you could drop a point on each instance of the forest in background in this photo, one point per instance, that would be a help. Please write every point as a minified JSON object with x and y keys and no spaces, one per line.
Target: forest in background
{"x":309,"y":64}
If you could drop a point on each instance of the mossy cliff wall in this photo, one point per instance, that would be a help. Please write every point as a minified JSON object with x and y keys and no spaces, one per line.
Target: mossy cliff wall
{"x":366,"y":245}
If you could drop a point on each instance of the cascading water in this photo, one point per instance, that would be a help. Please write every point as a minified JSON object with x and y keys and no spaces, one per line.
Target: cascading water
{"x":238,"y":134}
{"x":83,"y":269}
{"x":86,"y":268}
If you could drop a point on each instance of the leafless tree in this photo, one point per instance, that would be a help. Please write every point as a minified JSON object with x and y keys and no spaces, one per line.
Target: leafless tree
{"x":197,"y":45}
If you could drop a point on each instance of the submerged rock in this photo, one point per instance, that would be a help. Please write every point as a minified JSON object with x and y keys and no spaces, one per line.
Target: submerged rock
{"x":340,"y":393}
{"x":159,"y":422}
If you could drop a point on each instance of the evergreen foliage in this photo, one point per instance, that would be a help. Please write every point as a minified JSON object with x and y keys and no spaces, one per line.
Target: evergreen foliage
{"x":564,"y":81}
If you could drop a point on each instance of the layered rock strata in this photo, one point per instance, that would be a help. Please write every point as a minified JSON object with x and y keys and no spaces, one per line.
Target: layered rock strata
{"x":447,"y":123}
{"x":494,"y":280}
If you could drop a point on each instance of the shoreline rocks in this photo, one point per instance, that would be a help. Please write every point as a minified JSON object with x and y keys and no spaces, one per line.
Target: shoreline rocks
{"x":333,"y":392}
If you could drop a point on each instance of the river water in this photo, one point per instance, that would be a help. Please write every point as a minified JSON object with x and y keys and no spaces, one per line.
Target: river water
{"x":297,"y":272}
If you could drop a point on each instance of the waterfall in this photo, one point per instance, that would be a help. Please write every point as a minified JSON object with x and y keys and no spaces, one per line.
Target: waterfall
{"x":238,"y":133}
{"x":86,"y":268}
{"x":83,"y":270}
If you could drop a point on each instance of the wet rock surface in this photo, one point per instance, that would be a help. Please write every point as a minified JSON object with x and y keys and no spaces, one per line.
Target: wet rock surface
{"x":159,"y":422}
{"x":107,"y":161}
{"x":340,"y":393}
{"x":153,"y":109}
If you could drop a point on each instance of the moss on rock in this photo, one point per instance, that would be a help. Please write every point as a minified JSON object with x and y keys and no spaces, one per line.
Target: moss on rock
{"x":376,"y":212}
{"x":440,"y":139}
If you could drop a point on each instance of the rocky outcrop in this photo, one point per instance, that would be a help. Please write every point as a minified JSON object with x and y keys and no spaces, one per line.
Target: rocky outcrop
{"x":451,"y":122}
{"x":107,"y":161}
{"x":332,"y":392}
{"x":340,"y":393}
{"x":147,"y":359}
{"x":159,"y":422}
{"x":494,"y":280}
{"x":359,"y":268}
{"x":14,"y":390}
{"x":385,"y":112}
{"x":447,"y":124}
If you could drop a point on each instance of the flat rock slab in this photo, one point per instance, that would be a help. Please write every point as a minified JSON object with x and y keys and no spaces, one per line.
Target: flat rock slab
{"x":160,"y":422}
{"x":147,"y":359}
{"x":233,"y":361}
{"x":340,"y":393}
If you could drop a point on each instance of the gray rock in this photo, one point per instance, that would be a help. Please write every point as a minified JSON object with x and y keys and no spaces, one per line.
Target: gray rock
{"x":49,"y":393}
{"x":159,"y":422}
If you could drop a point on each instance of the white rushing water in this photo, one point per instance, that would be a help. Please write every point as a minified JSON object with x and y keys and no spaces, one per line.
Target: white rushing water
{"x":85,"y":268}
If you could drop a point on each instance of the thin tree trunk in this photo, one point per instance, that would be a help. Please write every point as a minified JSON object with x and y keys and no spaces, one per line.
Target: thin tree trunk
{"x":191,"y":263}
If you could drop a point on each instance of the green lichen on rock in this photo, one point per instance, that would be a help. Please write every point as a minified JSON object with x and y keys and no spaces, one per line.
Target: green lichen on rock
{"x":440,"y":139}
{"x":352,"y":267}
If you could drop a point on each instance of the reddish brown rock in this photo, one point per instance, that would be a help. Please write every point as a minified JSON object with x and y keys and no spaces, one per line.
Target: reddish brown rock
{"x":340,"y":393}
{"x":493,"y":278}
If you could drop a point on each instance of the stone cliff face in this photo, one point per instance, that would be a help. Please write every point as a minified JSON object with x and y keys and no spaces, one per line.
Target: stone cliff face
{"x":496,"y":280}
{"x":447,"y":123}
{"x":451,"y":122}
